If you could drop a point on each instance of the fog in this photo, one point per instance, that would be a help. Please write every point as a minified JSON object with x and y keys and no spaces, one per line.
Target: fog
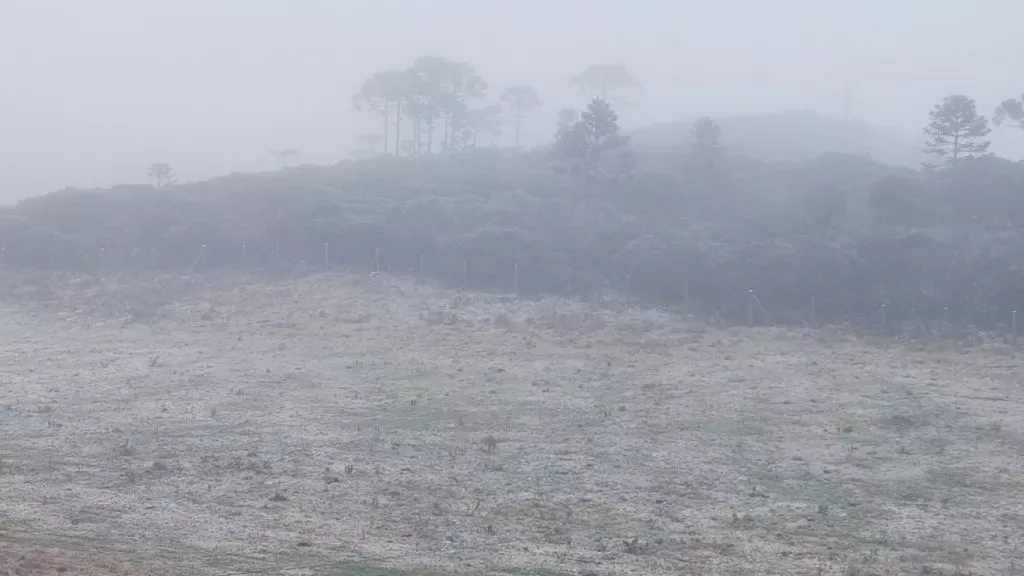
{"x":95,"y":91}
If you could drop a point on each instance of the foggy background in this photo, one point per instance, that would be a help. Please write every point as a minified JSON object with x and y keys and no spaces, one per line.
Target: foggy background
{"x":92,"y":92}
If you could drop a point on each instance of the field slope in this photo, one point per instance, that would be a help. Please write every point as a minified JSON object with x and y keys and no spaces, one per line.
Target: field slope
{"x":336,"y":422}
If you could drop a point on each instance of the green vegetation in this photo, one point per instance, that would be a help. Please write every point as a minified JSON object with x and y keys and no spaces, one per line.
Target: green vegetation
{"x":597,"y":210}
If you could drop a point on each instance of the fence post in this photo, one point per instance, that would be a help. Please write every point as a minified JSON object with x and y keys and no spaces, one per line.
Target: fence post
{"x":201,"y":258}
{"x":103,"y":259}
{"x":327,"y":255}
{"x":1013,"y":325}
{"x":245,"y":253}
{"x":629,"y":290}
{"x":945,"y":317}
{"x":465,"y":274}
{"x":750,"y":307}
{"x":686,"y":292}
{"x":515,"y":278}
{"x":376,"y":258}
{"x":814,"y":310}
{"x":885,"y":319}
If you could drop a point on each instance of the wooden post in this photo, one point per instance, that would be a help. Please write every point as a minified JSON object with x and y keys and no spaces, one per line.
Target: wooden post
{"x":686,"y":292}
{"x":515,"y":278}
{"x":199,"y":258}
{"x":245,"y":253}
{"x":327,"y":255}
{"x":376,"y":258}
{"x":945,"y":316}
{"x":750,"y":307}
{"x":1013,"y":326}
{"x":885,"y":319}
{"x":103,"y":254}
{"x":629,"y":290}
{"x":465,"y":274}
{"x":814,"y":310}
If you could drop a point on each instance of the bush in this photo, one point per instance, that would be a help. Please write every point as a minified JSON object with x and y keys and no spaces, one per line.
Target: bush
{"x":853,"y":233}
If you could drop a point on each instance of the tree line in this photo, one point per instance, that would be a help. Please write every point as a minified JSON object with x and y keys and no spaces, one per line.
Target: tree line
{"x":440,"y":104}
{"x":438,"y":94}
{"x":590,"y":212}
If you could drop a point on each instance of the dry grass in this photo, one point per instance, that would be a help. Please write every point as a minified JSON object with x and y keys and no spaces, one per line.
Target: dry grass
{"x":217,"y":426}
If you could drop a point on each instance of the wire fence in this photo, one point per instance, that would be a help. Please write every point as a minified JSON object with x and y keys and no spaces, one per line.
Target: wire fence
{"x":142,"y":552}
{"x":491,"y":274}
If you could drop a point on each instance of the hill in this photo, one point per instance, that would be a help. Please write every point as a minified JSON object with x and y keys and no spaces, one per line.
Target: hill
{"x":789,"y":137}
{"x":831,"y":239}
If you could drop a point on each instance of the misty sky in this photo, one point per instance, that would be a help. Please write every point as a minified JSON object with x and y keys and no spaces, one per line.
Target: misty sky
{"x":95,"y":90}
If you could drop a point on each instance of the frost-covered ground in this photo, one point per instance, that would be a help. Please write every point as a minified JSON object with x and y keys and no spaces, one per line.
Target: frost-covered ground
{"x":187,"y":426}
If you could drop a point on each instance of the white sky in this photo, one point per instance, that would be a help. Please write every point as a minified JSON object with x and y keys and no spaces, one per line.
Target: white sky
{"x":95,"y":90}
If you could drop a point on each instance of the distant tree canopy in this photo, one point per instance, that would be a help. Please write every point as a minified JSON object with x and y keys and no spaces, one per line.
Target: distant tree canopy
{"x":604,"y":80}
{"x":523,"y":100}
{"x":437,"y":95}
{"x":161,"y":174}
{"x":588,"y":214}
{"x":1010,"y":113}
{"x":432,"y":93}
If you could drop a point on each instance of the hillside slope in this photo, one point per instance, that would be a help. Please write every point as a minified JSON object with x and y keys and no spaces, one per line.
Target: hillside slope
{"x":789,"y":137}
{"x":854,"y":233}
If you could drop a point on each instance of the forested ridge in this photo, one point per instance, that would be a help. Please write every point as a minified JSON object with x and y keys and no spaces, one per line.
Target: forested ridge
{"x":851,"y":238}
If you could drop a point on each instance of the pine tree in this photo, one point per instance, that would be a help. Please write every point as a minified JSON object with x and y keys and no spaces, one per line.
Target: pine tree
{"x":585,"y":143}
{"x":956,"y":131}
{"x":706,"y":143}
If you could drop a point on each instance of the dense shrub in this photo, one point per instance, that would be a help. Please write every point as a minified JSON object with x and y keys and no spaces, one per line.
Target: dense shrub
{"x":852,"y":233}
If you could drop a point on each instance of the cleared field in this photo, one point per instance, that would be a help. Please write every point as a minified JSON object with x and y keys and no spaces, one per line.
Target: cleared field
{"x":329,"y":424}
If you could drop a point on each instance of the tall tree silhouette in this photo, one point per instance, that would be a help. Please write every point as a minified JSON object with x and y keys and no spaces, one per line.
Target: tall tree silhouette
{"x":522,"y":100}
{"x":586,"y":143}
{"x":706,"y":143}
{"x":162,"y":175}
{"x":441,"y":91}
{"x":956,"y":131}
{"x":373,"y":96}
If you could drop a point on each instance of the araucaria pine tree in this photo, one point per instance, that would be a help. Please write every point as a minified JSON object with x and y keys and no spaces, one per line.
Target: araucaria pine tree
{"x":956,"y":131}
{"x":706,"y":144}
{"x":587,"y":142}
